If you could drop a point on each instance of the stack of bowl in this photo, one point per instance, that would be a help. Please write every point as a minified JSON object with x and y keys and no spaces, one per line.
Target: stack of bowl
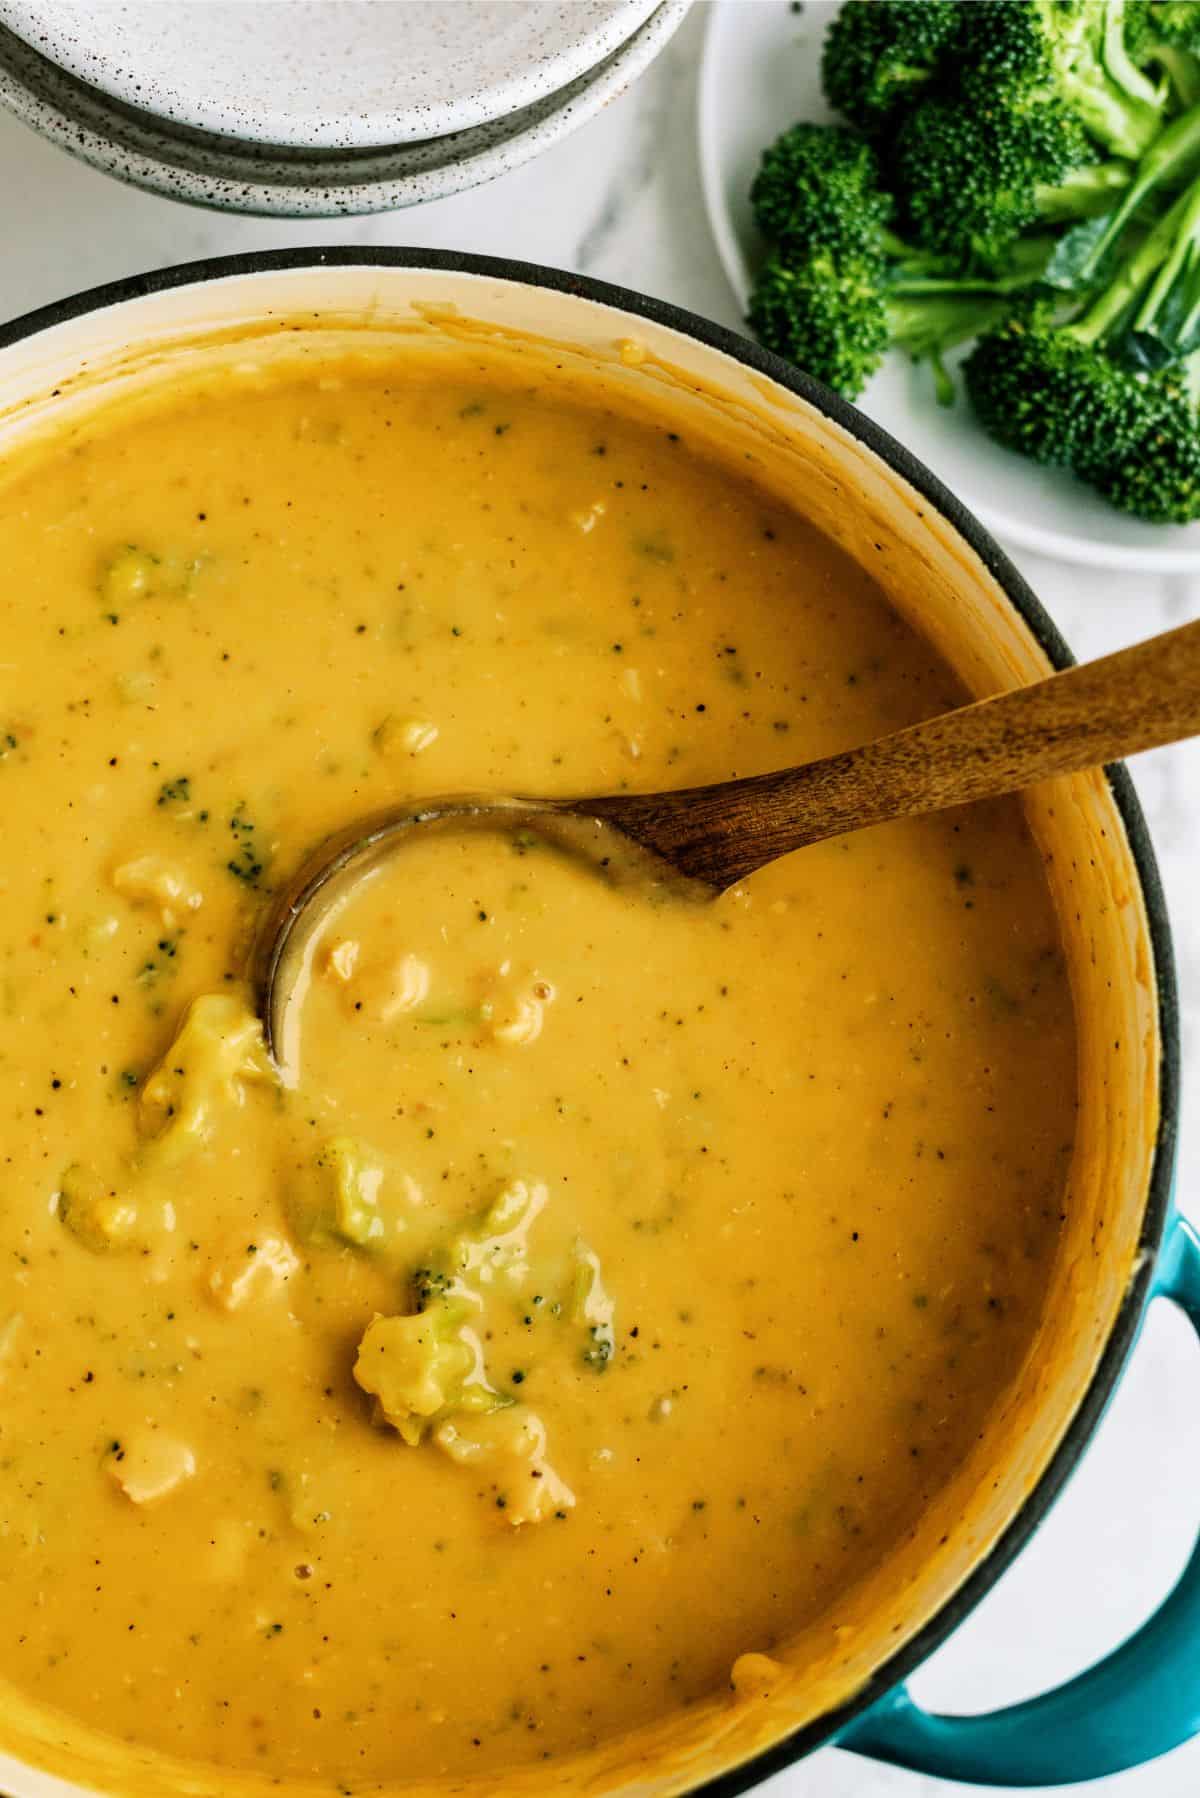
{"x":319,"y":107}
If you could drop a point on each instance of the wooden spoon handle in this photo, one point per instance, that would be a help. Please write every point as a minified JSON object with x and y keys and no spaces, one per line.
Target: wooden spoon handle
{"x":1082,"y":718}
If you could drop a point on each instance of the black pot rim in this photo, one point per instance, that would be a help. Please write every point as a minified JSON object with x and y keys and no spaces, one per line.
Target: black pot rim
{"x":1158,"y":1200}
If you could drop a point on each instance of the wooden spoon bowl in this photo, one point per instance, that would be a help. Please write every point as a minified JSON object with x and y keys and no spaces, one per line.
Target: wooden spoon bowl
{"x":699,"y":841}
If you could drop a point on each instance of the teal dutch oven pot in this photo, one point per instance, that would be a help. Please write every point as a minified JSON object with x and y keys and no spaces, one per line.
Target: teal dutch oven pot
{"x":1131,"y":1248}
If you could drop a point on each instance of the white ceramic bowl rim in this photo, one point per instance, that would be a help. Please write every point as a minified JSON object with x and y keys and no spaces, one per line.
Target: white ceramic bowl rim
{"x":236,"y":175}
{"x":97,"y":45}
{"x":1158,"y":1199}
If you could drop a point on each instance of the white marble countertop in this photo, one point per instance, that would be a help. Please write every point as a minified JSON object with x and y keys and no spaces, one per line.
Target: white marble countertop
{"x":621,"y":199}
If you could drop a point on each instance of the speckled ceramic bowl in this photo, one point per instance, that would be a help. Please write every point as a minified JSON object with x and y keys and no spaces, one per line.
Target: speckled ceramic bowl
{"x":332,"y":74}
{"x":240,"y":175}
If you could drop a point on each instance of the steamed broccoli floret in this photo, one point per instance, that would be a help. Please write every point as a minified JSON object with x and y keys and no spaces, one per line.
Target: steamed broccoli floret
{"x":1157,"y":476}
{"x":1052,"y":395}
{"x":835,"y":320}
{"x":133,"y":1215}
{"x":1166,"y":34}
{"x":839,"y":285}
{"x":423,"y":1368}
{"x":426,"y":1370}
{"x":428,"y":1366}
{"x":1175,"y":22}
{"x":1070,"y":54}
{"x":828,"y":316}
{"x":430,"y":1286}
{"x":1057,"y":391}
{"x":881,"y":54}
{"x":95,"y":1214}
{"x":498,"y":1245}
{"x":978,"y":169}
{"x":355,"y":1179}
{"x":348,"y":1194}
{"x":818,"y":187}
{"x":217,"y":1053}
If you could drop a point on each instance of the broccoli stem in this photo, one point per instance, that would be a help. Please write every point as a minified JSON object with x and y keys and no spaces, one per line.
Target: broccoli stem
{"x":1084,"y":192}
{"x":1186,"y":216}
{"x":1127,"y":126}
{"x":920,"y":322}
{"x":1120,"y":65}
{"x":1182,"y":71}
{"x":929,"y":325}
{"x":1111,"y":96}
{"x":1173,"y":157}
{"x":1174,"y":231}
{"x":924,"y":274}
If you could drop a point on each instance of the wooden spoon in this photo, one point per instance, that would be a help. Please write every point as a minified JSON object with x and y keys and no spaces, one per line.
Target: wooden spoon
{"x":703,"y":840}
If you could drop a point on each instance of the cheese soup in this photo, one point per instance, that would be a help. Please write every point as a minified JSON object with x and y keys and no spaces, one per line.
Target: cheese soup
{"x":616,"y":1279}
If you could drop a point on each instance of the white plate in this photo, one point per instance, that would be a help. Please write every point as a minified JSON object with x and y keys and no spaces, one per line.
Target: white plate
{"x":341,"y":74}
{"x":761,"y":72}
{"x":238,"y":176}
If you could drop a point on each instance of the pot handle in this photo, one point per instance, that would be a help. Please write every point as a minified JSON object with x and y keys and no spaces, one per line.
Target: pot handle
{"x":1139,"y":1702}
